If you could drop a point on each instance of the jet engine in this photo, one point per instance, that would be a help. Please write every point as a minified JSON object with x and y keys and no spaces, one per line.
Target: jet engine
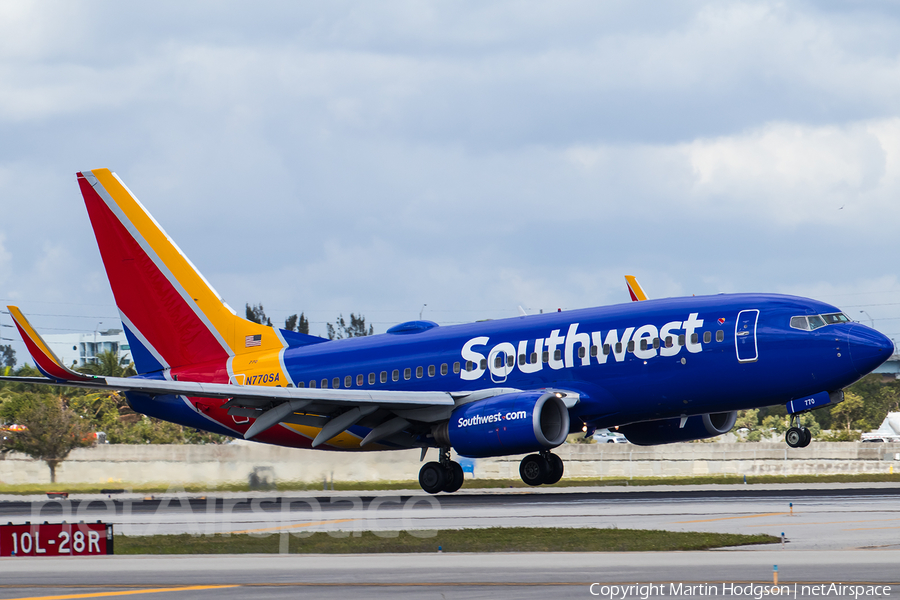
{"x":667,"y":431}
{"x":515,"y":423}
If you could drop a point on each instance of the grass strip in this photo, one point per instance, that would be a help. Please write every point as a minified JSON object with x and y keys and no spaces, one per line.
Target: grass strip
{"x":494,"y":539}
{"x":287,"y":486}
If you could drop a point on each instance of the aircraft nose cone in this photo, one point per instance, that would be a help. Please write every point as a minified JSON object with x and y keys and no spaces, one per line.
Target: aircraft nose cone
{"x":868,"y":348}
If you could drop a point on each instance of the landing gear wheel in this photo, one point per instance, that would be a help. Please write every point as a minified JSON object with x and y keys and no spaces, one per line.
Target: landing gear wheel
{"x":455,"y":477}
{"x":432,"y":477}
{"x":534,"y":469}
{"x":794,"y":437}
{"x":556,"y":469}
{"x":807,"y":437}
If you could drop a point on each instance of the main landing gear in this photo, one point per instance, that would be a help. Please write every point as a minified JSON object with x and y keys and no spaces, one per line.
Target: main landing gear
{"x":444,"y":476}
{"x":797,"y":436}
{"x":544,"y":468}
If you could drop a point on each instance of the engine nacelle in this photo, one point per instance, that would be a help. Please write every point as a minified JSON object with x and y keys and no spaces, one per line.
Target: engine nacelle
{"x":515,"y":423}
{"x":667,"y":431}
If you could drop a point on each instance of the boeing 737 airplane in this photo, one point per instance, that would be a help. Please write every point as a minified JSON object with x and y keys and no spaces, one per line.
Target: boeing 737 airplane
{"x":661,"y":370}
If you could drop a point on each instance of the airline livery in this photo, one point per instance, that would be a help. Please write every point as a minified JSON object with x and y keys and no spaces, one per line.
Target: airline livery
{"x":660,"y":370}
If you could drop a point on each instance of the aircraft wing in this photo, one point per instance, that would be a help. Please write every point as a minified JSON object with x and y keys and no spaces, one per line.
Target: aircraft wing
{"x":268,"y":404}
{"x":256,"y":395}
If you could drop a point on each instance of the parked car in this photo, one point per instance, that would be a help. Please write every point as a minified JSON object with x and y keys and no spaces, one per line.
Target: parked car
{"x":605,"y":436}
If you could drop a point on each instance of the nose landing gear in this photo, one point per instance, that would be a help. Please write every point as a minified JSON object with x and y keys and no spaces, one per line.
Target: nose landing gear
{"x":539,"y":469}
{"x":444,"y":476}
{"x":797,"y":436}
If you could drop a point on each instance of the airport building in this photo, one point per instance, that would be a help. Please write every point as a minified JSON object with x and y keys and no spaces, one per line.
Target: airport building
{"x":79,"y":349}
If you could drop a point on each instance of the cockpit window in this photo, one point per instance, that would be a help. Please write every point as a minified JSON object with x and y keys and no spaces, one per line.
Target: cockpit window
{"x":836,"y":318}
{"x":815,"y":321}
{"x":812,"y":322}
{"x":799,"y":323}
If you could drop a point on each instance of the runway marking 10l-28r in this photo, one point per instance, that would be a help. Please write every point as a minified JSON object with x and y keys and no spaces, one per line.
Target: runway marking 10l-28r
{"x":56,"y":539}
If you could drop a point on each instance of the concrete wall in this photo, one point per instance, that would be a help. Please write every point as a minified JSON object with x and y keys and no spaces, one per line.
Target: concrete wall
{"x":121,"y":465}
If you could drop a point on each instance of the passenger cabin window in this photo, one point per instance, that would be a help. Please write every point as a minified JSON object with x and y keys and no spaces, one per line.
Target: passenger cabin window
{"x":407,"y":373}
{"x":420,"y":372}
{"x":348,"y":381}
{"x":557,"y":355}
{"x":483,"y":364}
{"x":444,"y":369}
{"x":522,"y":358}
{"x":631,"y":346}
{"x":510,"y":360}
{"x":395,"y":375}
{"x":594,"y":350}
{"x":720,"y":336}
{"x":470,"y":366}
{"x":707,"y":337}
{"x":656,"y":343}
{"x":312,"y":383}
{"x":384,"y":377}
{"x":695,"y":338}
{"x":456,"y":367}
{"x":371,"y":378}
{"x":643,"y":344}
{"x":324,"y":383}
{"x":534,"y":358}
{"x":581,"y":352}
{"x":301,"y":384}
{"x":545,"y":356}
{"x":681,"y":340}
{"x":669,"y":343}
{"x":498,"y":361}
{"x":618,"y":347}
{"x":336,"y":382}
{"x":606,"y":349}
{"x":431,"y":370}
{"x":359,"y":380}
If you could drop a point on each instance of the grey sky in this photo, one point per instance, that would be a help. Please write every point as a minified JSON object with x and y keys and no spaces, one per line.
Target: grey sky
{"x":375,"y":157}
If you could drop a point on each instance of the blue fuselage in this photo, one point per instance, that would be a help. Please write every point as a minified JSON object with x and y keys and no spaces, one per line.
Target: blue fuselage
{"x":628,"y":362}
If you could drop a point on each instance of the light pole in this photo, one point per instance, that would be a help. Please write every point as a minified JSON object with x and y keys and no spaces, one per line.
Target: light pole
{"x":871,"y":320}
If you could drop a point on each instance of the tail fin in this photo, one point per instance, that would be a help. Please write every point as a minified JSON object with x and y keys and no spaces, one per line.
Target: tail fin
{"x":635,"y":289}
{"x":45,"y":359}
{"x":172,"y":316}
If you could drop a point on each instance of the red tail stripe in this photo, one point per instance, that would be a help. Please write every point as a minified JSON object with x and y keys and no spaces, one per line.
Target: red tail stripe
{"x":142,"y":291}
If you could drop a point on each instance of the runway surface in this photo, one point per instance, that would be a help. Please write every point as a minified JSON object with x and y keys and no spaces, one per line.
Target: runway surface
{"x":835,"y":534}
{"x":812,"y":518}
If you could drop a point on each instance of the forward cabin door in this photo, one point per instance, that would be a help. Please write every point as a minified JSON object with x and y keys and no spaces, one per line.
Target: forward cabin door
{"x":499,"y":364}
{"x":745,"y":335}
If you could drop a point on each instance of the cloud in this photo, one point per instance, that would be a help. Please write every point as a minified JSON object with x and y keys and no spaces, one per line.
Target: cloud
{"x":376,"y":157}
{"x":794,"y":175}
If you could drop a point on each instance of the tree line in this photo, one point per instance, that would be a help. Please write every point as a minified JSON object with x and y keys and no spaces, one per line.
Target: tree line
{"x":866,"y":403}
{"x":340,"y":329}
